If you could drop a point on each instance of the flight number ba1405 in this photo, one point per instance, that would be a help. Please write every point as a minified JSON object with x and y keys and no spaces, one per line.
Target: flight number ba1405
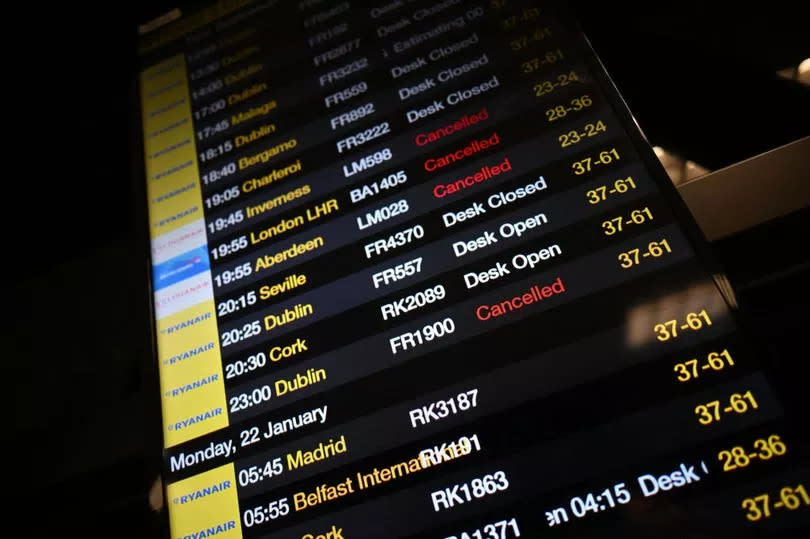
{"x":375,"y":188}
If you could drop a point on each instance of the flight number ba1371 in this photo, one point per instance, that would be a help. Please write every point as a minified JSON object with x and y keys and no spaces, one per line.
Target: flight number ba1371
{"x":503,"y":529}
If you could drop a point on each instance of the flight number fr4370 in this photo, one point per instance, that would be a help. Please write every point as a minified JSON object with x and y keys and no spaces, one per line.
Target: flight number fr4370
{"x":394,"y":241}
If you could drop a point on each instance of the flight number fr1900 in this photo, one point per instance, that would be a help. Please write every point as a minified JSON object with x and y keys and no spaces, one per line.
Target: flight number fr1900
{"x":429,"y":332}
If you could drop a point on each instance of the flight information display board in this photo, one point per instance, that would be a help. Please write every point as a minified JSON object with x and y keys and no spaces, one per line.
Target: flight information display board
{"x":417,"y":274}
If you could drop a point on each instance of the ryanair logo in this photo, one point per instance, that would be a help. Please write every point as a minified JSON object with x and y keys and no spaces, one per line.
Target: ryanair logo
{"x":188,"y":354}
{"x":180,"y":390}
{"x":202,"y":492}
{"x":186,"y":323}
{"x":193,"y":420}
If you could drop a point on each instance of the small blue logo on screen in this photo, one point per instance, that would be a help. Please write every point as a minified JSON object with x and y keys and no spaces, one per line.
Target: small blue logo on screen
{"x":180,"y":267}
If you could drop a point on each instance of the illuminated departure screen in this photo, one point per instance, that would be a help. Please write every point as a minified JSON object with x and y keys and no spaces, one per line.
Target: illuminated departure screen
{"x":417,"y":274}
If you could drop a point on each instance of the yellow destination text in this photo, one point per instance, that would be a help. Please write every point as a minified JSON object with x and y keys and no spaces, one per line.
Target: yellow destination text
{"x":275,"y":175}
{"x":239,"y":55}
{"x":320,"y":452}
{"x":322,"y":494}
{"x":269,"y":153}
{"x":299,"y":381}
{"x":288,"y":283}
{"x":233,"y":78}
{"x":258,"y":133}
{"x":275,"y":202}
{"x":378,"y":476}
{"x":289,"y":314}
{"x":294,"y":250}
{"x":253,"y":112}
{"x":274,"y":230}
{"x":247,"y":93}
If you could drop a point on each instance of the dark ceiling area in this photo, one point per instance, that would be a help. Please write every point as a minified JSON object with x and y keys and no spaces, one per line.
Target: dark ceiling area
{"x":700,"y":78}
